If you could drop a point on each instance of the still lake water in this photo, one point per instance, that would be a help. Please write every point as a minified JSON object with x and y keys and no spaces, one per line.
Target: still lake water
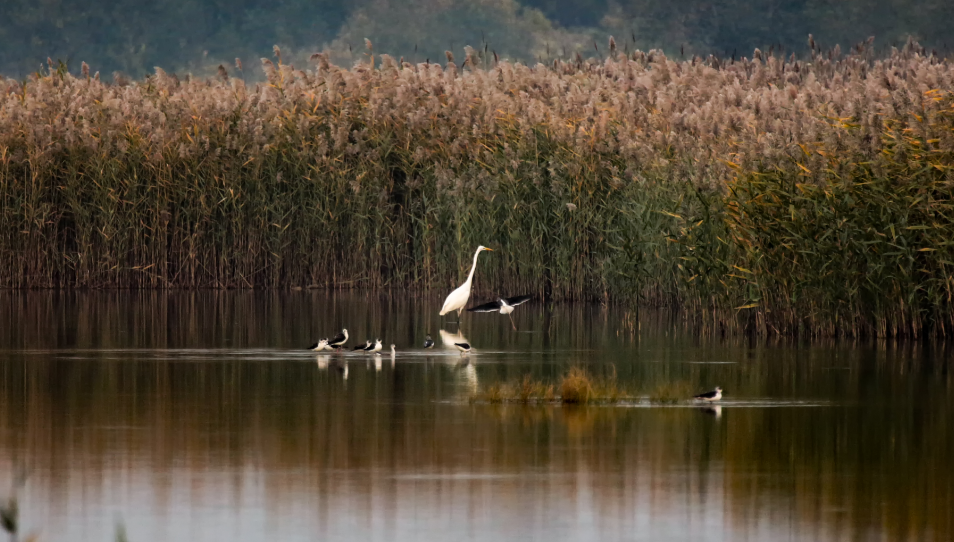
{"x":199,"y":416}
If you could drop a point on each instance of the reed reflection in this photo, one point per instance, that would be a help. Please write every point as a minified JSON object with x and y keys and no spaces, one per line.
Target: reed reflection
{"x":222,"y":442}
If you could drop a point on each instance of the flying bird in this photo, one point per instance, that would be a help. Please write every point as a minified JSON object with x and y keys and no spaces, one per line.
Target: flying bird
{"x":457,"y":299}
{"x":710,"y":396}
{"x":463,"y":347}
{"x":503,"y":306}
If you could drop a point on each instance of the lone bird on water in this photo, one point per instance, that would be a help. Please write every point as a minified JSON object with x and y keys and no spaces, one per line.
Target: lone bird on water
{"x":457,"y":299}
{"x":710,"y":396}
{"x":503,"y":306}
{"x":428,"y":342}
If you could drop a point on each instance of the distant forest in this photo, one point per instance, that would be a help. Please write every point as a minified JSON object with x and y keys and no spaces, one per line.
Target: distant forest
{"x":133,"y":37}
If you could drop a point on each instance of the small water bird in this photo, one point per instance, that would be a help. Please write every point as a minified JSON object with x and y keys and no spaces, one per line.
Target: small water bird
{"x":377,"y":346}
{"x":365,"y":346}
{"x":710,"y":396}
{"x":319,"y":346}
{"x":393,"y":351}
{"x":428,"y":342}
{"x":450,"y":339}
{"x":503,"y":305}
{"x":339,"y":340}
{"x":463,"y":347}
{"x":457,"y":299}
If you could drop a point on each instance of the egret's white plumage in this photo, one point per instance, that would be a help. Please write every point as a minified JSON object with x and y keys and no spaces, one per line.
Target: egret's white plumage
{"x":457,"y":299}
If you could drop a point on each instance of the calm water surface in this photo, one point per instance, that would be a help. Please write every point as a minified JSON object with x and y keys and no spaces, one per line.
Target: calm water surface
{"x":199,"y":416}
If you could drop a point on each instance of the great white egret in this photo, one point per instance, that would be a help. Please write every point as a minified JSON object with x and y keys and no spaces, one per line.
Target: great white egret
{"x":365,"y":346}
{"x":338,"y":340}
{"x":503,"y":305}
{"x":463,"y":347}
{"x":710,"y":396}
{"x":458,"y":298}
{"x":428,"y":342}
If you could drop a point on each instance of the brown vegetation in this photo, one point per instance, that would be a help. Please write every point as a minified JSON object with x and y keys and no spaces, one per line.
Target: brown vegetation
{"x":577,"y":386}
{"x":770,"y":194}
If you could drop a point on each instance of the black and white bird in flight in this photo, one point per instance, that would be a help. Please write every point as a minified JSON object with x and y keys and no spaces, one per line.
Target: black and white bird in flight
{"x":503,"y":305}
{"x":710,"y":396}
{"x":463,"y":347}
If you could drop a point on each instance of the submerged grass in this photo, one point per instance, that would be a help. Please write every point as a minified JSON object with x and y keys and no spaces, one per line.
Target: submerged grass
{"x":576,"y":386}
{"x":770,"y":195}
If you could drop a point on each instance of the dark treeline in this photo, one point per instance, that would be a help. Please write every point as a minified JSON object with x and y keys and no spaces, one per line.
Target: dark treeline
{"x":198,"y":35}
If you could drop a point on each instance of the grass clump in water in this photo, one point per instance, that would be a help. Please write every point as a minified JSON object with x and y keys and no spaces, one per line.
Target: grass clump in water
{"x":670,"y":393}
{"x":577,"y":387}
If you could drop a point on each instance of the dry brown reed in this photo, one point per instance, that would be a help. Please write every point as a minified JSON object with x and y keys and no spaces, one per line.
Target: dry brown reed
{"x":671,"y":392}
{"x":576,"y":386}
{"x":775,"y":195}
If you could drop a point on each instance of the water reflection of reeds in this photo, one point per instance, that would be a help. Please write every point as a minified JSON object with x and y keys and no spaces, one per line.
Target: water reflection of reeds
{"x":84,"y":427}
{"x":154,"y":437}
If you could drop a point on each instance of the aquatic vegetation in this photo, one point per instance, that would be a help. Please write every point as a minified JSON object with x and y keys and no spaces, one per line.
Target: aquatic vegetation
{"x":576,"y":386}
{"x":764,"y":194}
{"x":671,"y":392}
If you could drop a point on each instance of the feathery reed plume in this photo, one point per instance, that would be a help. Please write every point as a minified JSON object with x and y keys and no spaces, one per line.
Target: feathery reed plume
{"x":756,"y":196}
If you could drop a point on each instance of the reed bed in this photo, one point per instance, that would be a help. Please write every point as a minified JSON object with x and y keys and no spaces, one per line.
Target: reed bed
{"x":764,"y":194}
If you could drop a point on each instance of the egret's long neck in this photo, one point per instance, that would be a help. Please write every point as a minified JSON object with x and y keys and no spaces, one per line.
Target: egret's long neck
{"x":473,"y":268}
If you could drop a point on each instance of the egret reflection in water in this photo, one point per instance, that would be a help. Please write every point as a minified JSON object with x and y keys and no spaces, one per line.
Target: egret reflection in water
{"x":199,"y":416}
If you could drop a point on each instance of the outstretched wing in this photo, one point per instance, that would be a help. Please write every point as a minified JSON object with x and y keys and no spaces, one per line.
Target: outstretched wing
{"x":514,"y":301}
{"x":493,"y":306}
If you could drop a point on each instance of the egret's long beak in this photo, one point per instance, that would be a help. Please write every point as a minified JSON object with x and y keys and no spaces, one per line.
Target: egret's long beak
{"x":490,"y":249}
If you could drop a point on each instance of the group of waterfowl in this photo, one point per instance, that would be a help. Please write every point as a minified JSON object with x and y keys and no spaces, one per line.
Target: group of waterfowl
{"x":337,"y":342}
{"x":457,"y":301}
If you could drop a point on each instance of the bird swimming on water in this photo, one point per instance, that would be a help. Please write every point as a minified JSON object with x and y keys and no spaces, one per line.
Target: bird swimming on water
{"x":503,"y":306}
{"x":338,"y":340}
{"x":457,"y":299}
{"x":463,"y":347}
{"x":428,"y":342}
{"x":710,"y":396}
